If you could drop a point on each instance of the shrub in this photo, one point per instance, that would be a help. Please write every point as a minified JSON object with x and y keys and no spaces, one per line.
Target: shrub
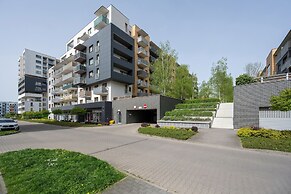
{"x":157,"y":126}
{"x":244,"y":79}
{"x":265,"y":133}
{"x":145,"y":125}
{"x":197,"y":105}
{"x":283,"y":101}
{"x":187,"y":112}
{"x":202,"y":100}
{"x":183,"y":118}
{"x":194,"y":129}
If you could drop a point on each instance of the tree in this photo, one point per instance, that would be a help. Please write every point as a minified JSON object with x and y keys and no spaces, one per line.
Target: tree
{"x":253,"y":69}
{"x":183,"y":83}
{"x":221,"y":82}
{"x":205,"y":90}
{"x":244,"y":79}
{"x":194,"y":86}
{"x":57,"y":111}
{"x":165,"y":69}
{"x":78,"y":111}
{"x":283,"y":101}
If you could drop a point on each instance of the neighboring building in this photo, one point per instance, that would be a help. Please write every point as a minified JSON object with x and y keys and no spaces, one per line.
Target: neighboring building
{"x":8,"y":107}
{"x":105,"y":61}
{"x":32,"y":80}
{"x":279,"y":59}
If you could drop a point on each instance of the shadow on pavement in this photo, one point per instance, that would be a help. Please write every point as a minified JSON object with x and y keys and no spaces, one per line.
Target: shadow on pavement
{"x":33,"y":127}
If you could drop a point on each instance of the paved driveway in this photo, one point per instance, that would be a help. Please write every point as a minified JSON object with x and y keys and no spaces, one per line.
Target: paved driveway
{"x":181,"y":167}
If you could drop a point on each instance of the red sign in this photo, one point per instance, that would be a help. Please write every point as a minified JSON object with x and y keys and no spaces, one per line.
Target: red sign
{"x":145,"y":106}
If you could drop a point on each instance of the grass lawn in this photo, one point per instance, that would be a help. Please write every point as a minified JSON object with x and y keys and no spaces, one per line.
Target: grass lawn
{"x":55,"y":171}
{"x":267,"y":143}
{"x":167,"y":132}
{"x":61,"y":123}
{"x":2,"y":133}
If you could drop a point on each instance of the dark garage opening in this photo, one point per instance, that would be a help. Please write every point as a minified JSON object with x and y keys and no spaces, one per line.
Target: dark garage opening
{"x":141,"y":116}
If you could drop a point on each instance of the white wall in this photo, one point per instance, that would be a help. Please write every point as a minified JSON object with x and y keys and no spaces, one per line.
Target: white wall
{"x":117,"y":89}
{"x":279,"y":120}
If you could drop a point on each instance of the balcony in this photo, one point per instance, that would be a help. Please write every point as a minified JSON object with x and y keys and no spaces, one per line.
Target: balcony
{"x":57,"y":100}
{"x":154,"y":51}
{"x":142,"y":84}
{"x":142,"y":63}
{"x":68,"y":67}
{"x":80,"y":69}
{"x":79,"y":81}
{"x":101,"y":22}
{"x":85,"y":94}
{"x":142,"y":52}
{"x":142,"y":74}
{"x":142,"y":94}
{"x":70,"y":97}
{"x":67,"y":78}
{"x":80,"y":57}
{"x":69,"y":87}
{"x":58,"y":82}
{"x":57,"y":91}
{"x":103,"y":91}
{"x":141,"y":41}
{"x":58,"y":73}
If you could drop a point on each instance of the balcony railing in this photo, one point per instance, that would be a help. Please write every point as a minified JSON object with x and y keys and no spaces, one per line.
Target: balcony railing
{"x":141,"y":41}
{"x":142,"y":84}
{"x":100,"y":90}
{"x":80,"y":69}
{"x":70,"y":97}
{"x":101,"y":22}
{"x":142,"y":52}
{"x":142,"y":74}
{"x":68,"y":77}
{"x":80,"y":57}
{"x":57,"y":91}
{"x":57,"y":99}
{"x":274,"y":78}
{"x":68,"y":86}
{"x":142,"y":63}
{"x":142,"y":94}
{"x":85,"y":94}
{"x":79,"y":81}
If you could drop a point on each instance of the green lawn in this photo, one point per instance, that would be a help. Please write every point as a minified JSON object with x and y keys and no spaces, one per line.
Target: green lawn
{"x":55,"y":171}
{"x":175,"y":133}
{"x":61,"y":123}
{"x":267,"y":143}
{"x":2,"y":133}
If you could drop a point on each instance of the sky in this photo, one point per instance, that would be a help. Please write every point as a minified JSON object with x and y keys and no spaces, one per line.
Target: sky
{"x":201,"y":32}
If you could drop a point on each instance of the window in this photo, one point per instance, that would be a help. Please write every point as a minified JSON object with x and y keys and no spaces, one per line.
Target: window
{"x":91,"y":62}
{"x":126,"y":89}
{"x":38,"y":56}
{"x":91,"y":49}
{"x":97,"y":46}
{"x":90,"y":74}
{"x":96,"y":99}
{"x":126,"y":27}
{"x":89,"y":30}
{"x":97,"y":59}
{"x":38,"y":72}
{"x":104,"y":98}
{"x":38,"y":67}
{"x":129,"y":89}
{"x":81,"y":101}
{"x":31,"y":104}
{"x":38,"y":61}
{"x":97,"y":73}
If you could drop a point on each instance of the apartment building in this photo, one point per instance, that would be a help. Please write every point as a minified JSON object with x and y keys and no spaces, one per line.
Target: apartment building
{"x":279,"y":59}
{"x":8,"y":107}
{"x":32,"y":80}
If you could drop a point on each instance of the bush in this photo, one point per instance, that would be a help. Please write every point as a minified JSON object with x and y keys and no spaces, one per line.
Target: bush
{"x":197,"y":105}
{"x":202,"y":100}
{"x":145,"y":125}
{"x":187,"y":112}
{"x":35,"y":115}
{"x":157,"y":126}
{"x":194,"y":129}
{"x":244,"y":79}
{"x":282,"y":102}
{"x":182,"y":118}
{"x":265,"y":133}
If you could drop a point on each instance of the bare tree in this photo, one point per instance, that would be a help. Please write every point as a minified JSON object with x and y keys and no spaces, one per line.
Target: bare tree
{"x":253,"y":69}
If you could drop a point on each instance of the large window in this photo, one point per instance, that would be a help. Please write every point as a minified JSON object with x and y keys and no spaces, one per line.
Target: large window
{"x":97,"y":59}
{"x":91,"y":49}
{"x":91,"y":74}
{"x":38,"y":72}
{"x":89,"y":31}
{"x":97,"y":73}
{"x":38,"y":56}
{"x":38,"y":67}
{"x":38,"y":62}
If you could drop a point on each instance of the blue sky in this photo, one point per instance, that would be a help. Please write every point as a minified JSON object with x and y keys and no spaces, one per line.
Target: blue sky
{"x":200,"y":31}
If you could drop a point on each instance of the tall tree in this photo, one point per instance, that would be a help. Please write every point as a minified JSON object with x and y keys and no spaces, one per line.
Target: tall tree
{"x":165,"y":69}
{"x":183,"y":83}
{"x":194,"y":86}
{"x":205,"y":90}
{"x":221,"y":82}
{"x":253,"y":69}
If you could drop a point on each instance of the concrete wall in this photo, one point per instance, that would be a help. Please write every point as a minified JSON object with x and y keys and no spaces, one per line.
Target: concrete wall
{"x":249,"y":98}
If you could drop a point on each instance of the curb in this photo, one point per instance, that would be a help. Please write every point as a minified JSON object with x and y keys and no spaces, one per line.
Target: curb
{"x":2,"y":185}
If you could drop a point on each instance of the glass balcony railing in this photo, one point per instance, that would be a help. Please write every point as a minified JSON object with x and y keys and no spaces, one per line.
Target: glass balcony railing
{"x":101,"y":22}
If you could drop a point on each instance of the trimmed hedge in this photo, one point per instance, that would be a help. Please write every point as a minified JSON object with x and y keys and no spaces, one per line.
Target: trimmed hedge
{"x":265,"y":133}
{"x":197,"y":105}
{"x":181,"y":118}
{"x":188,"y":112}
{"x":202,"y":100}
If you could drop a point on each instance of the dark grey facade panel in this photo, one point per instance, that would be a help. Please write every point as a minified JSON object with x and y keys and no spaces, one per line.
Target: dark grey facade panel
{"x":249,"y":98}
{"x":128,"y":79}
{"x":33,"y":84}
{"x":167,"y":104}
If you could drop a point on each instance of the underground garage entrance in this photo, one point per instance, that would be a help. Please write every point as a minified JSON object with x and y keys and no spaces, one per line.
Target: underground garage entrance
{"x":141,"y":116}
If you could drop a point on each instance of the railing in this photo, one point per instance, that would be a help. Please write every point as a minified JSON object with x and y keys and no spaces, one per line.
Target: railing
{"x":273,"y":78}
{"x":142,"y":62}
{"x":85,"y":94}
{"x":142,"y":51}
{"x":67,"y":76}
{"x":100,"y":90}
{"x":142,"y":40}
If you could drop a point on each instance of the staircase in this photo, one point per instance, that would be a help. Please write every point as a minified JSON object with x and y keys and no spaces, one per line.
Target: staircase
{"x":224,"y":116}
